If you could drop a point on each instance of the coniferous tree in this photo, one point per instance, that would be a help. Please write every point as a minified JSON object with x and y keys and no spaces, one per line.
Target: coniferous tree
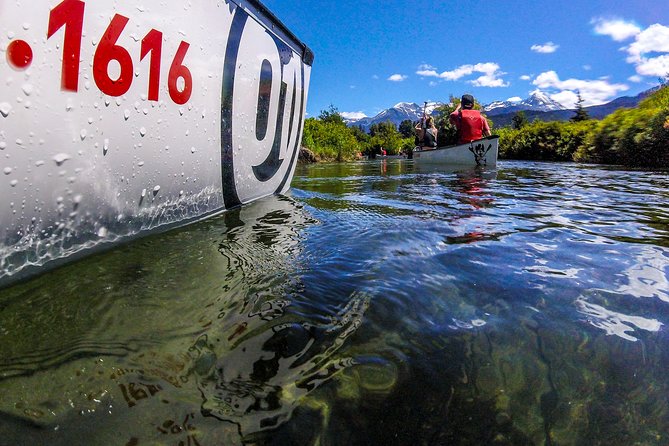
{"x":581,"y":113}
{"x":519,"y":120}
{"x":331,"y":115}
{"x":664,"y":80}
{"x":407,"y":128}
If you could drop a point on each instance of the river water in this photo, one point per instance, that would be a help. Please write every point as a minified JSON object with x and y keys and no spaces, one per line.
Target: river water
{"x":379,"y":303}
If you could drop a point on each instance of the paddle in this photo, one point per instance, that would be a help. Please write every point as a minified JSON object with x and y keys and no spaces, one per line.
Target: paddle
{"x":424,"y":120}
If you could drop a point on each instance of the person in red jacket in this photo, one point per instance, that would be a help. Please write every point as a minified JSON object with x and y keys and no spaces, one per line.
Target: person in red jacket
{"x":471,"y":124}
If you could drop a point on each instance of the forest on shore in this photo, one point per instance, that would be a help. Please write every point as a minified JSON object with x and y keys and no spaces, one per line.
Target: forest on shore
{"x":635,"y":137}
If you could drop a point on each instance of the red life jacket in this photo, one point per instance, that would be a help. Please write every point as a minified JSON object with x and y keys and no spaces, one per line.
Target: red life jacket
{"x":470,"y":126}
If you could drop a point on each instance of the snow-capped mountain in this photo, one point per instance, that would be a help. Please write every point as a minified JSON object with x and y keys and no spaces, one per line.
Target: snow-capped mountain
{"x":538,"y":101}
{"x":537,"y":106}
{"x":396,"y":114}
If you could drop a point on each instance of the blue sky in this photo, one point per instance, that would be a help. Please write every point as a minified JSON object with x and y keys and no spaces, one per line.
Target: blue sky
{"x":370,"y":55}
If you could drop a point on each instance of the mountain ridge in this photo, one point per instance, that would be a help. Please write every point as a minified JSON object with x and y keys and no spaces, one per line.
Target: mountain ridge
{"x":594,"y":111}
{"x":537,"y":101}
{"x":395,"y":114}
{"x":537,"y":106}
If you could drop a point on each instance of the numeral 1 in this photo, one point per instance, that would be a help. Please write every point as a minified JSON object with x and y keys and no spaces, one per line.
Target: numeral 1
{"x":70,"y":14}
{"x":153,"y":43}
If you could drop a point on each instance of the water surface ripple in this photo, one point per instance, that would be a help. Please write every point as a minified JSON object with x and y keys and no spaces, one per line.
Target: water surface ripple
{"x":381,"y":302}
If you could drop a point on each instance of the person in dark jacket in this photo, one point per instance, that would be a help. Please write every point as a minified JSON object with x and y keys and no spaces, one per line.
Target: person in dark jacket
{"x":427,"y":133}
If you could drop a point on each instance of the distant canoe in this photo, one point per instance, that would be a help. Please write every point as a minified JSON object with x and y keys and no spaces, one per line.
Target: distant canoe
{"x":482,"y":152}
{"x":390,"y":157}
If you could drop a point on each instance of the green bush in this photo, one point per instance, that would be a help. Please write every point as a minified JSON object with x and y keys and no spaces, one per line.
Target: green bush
{"x":384,"y":135}
{"x":544,"y":141}
{"x":632,"y":137}
{"x":330,"y":141}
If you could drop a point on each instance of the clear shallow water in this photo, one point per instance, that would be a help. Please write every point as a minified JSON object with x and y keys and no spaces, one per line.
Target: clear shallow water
{"x":380,"y":303}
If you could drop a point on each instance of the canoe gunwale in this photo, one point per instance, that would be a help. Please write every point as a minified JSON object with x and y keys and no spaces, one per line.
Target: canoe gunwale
{"x":487,"y":138}
{"x":272,"y":23}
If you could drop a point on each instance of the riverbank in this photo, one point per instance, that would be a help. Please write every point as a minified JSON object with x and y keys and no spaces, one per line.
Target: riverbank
{"x":636,"y":137}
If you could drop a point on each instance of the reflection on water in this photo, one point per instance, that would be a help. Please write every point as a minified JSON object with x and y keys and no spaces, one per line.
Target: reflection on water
{"x":613,"y":323}
{"x":182,"y":327}
{"x":258,"y":380}
{"x":383,"y":303}
{"x":647,"y":275}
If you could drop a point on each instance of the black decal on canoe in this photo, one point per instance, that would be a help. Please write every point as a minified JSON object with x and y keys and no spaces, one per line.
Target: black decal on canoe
{"x":268,"y":168}
{"x":230,"y":196}
{"x":298,"y":142}
{"x":264,"y":97}
{"x":292,"y":109}
{"x":272,"y":163}
{"x":480,"y":153}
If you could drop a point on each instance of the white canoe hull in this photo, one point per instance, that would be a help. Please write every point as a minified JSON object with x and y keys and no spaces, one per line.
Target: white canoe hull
{"x":121,"y":119}
{"x":482,"y":152}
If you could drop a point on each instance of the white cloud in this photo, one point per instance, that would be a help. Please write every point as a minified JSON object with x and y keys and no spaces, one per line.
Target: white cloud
{"x":636,"y":78}
{"x":546,"y":79}
{"x":567,"y":98}
{"x":587,"y":67}
{"x":376,"y":76}
{"x":593,"y":92}
{"x":433,"y":84}
{"x":427,"y":73}
{"x":353,"y":115}
{"x":462,"y":71}
{"x":654,"y":66}
{"x":618,"y":29}
{"x":489,"y":81}
{"x":525,"y":77}
{"x":546,"y":48}
{"x":649,"y":52}
{"x":398,"y":78}
{"x":655,"y":38}
{"x":514,"y":99}
{"x":491,"y":74}
{"x":652,"y":40}
{"x":426,"y":67}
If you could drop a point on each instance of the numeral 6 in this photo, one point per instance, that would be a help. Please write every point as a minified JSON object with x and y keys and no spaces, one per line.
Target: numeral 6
{"x":107,"y":51}
{"x":178,"y":70}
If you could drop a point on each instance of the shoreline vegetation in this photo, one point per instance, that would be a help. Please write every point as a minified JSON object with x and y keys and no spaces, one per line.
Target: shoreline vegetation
{"x":633,"y":137}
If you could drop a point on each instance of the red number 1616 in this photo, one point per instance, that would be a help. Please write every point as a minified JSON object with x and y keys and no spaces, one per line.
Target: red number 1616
{"x":70,"y":15}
